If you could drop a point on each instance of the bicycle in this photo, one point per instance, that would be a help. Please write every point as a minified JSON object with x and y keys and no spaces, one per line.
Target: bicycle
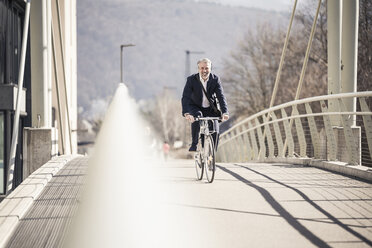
{"x":205,"y":155}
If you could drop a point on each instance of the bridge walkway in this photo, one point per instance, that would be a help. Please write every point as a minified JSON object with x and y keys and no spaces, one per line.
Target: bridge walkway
{"x":248,"y":205}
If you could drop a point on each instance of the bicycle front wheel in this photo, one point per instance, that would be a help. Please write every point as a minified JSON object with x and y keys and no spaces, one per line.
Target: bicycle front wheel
{"x":199,"y":166}
{"x":209,"y":155}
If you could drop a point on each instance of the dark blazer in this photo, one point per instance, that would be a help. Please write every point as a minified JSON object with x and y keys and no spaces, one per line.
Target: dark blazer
{"x":192,"y":96}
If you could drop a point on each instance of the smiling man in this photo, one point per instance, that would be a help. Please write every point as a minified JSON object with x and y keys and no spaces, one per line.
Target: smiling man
{"x":196,"y":103}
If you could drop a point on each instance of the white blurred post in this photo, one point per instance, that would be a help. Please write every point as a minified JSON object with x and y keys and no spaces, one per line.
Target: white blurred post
{"x":125,"y":203}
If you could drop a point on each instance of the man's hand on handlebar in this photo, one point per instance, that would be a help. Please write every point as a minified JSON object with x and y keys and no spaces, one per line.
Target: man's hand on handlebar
{"x":190,"y":118}
{"x":225,"y":117}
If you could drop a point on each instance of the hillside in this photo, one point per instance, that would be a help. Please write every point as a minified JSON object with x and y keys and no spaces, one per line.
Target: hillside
{"x":162,"y":30}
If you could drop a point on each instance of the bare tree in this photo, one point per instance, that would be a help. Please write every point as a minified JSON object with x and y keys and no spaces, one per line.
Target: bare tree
{"x":165,"y":117}
{"x":365,"y":46}
{"x":249,"y":74}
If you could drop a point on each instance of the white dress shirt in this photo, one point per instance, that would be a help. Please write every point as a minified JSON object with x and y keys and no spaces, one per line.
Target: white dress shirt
{"x":205,"y":102}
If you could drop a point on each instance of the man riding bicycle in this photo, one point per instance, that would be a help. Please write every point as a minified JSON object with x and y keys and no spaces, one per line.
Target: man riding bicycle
{"x":197,"y":101}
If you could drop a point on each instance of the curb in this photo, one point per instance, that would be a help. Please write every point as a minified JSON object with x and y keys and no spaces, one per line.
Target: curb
{"x":355,"y":171}
{"x":16,"y":204}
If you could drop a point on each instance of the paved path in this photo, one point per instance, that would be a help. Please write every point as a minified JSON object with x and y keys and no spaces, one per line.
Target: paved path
{"x":276,"y":205}
{"x":248,"y":205}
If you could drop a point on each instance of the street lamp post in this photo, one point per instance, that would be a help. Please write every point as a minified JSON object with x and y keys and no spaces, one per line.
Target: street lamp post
{"x":121,"y":59}
{"x":188,"y":52}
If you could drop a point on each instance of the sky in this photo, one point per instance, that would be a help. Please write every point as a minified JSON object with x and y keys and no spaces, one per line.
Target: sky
{"x":277,"y":5}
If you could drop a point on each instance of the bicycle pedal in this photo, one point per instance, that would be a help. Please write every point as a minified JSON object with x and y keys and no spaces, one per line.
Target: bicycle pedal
{"x":196,"y":155}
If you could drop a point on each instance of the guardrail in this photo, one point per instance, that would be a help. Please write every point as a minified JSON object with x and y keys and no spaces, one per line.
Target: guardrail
{"x":318,"y":132}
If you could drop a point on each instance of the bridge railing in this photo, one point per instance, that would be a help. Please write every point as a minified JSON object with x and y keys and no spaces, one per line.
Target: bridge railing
{"x":318,"y":127}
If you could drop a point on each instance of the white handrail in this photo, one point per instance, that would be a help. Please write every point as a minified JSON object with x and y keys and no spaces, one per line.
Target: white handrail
{"x":311,"y":137}
{"x":301,"y":101}
{"x":291,"y":118}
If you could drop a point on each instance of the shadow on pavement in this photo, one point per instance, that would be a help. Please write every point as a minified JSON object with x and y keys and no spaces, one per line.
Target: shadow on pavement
{"x":286,"y":215}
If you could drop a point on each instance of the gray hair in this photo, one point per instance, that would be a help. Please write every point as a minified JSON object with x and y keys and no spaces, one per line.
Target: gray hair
{"x":204,"y":60}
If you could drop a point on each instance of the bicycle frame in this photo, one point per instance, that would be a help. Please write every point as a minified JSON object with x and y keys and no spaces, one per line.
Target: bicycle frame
{"x":205,"y":156}
{"x":204,"y":125}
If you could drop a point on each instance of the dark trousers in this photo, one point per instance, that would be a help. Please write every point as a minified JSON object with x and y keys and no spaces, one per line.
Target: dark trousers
{"x":195,"y":126}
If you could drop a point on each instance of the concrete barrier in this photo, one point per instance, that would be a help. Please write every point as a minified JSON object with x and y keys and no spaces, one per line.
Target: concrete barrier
{"x":40,"y":145}
{"x":16,"y":204}
{"x":356,"y":171}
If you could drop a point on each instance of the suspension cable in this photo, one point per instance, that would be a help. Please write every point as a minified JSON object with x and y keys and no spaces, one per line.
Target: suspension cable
{"x":284,"y":51}
{"x":283,"y":56}
{"x":306,"y":59}
{"x":64,"y":76}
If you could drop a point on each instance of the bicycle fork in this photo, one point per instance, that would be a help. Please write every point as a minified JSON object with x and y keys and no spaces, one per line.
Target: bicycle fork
{"x":198,"y":153}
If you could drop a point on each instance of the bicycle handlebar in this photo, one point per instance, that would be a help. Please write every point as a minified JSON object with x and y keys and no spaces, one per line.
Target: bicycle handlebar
{"x":207,"y":118}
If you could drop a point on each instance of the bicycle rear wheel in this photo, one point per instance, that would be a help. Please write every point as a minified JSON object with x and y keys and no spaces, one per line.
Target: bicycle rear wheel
{"x":199,"y":166}
{"x":209,"y":155}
